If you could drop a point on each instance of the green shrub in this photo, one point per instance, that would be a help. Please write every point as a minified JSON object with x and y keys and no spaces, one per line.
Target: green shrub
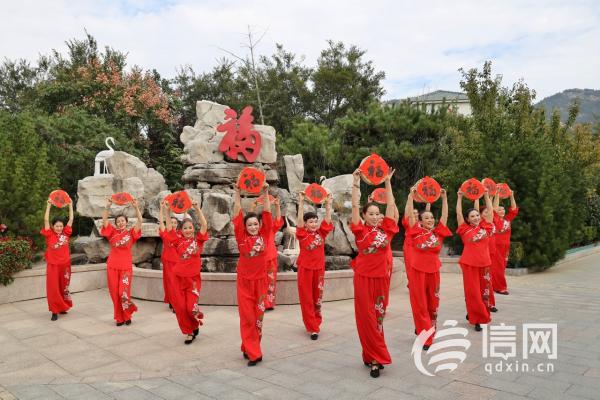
{"x":15,"y":255}
{"x":516,"y":254}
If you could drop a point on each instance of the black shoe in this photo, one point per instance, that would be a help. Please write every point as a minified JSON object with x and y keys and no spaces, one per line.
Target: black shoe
{"x":189,"y":340}
{"x":54,"y":317}
{"x":425,"y":347}
{"x":246,"y":356}
{"x":374,"y":371}
{"x":196,"y":332}
{"x":314,"y":336}
{"x":170,"y":306}
{"x":416,"y":332}
{"x":467,"y":317}
{"x":63,"y":312}
{"x":252,"y":363}
{"x":478,"y":327}
{"x":269,"y":309}
{"x":120,"y":323}
{"x":493,"y":309}
{"x":504,"y":292}
{"x":128,"y":322}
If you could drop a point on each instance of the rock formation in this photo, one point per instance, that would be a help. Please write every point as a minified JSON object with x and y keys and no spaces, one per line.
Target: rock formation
{"x":209,"y":178}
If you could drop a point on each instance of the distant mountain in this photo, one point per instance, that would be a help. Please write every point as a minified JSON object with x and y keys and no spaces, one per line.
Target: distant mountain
{"x":589,"y":104}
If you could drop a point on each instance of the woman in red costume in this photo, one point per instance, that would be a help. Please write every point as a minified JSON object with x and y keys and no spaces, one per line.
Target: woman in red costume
{"x":251,"y":233}
{"x":58,"y":259}
{"x":475,"y":260}
{"x":371,"y":272}
{"x":186,"y":278}
{"x":119,"y":266}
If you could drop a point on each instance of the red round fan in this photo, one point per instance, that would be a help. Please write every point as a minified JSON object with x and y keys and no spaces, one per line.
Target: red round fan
{"x":122,"y":198}
{"x":429,"y":189}
{"x":503,"y":190}
{"x":261,"y":199}
{"x":490,"y":185}
{"x":315,"y":193}
{"x":59,"y":198}
{"x":379,"y":196}
{"x":251,"y":180}
{"x":472,"y":189}
{"x":374,"y":169}
{"x":179,"y":202}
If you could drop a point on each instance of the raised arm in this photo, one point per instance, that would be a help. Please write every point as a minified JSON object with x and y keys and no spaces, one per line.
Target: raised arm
{"x":161,"y":218}
{"x":513,"y":202}
{"x":444,"y":217}
{"x":300,"y":222}
{"x":489,"y":216}
{"x":71,"y":215}
{"x":267,"y":202}
{"x":138,"y":215}
{"x":201,"y":217}
{"x":328,"y":202}
{"x":237,"y":201}
{"x":47,"y":215}
{"x":105,"y":212}
{"x":459,"y":213}
{"x":277,"y":203}
{"x":428,"y":207}
{"x":254,"y":205}
{"x":410,"y":206}
{"x":496,"y":201}
{"x":389,"y":195}
{"x":164,"y":223}
{"x":396,"y":213}
{"x":356,"y":196}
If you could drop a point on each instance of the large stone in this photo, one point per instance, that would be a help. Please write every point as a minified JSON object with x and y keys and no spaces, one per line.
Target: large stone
{"x":223,"y":173}
{"x":219,"y":264}
{"x":345,"y":221}
{"x":143,"y":250}
{"x":336,"y":242}
{"x":220,"y":247}
{"x":294,"y":171}
{"x":209,"y":114}
{"x":123,"y":166}
{"x":341,"y":189}
{"x":153,"y":206}
{"x":217,"y":208}
{"x":97,"y":250}
{"x":337,"y":262}
{"x":92,"y":193}
{"x":201,"y":141}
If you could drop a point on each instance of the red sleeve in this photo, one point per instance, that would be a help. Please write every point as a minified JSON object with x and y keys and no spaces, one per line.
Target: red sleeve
{"x":487,"y":226}
{"x":357,"y":229}
{"x":325,"y":228}
{"x":169,"y":236}
{"x":68,"y":230}
{"x":201,"y":237}
{"x":277,"y":224}
{"x":512,"y":213}
{"x":442,"y":230}
{"x":405,"y":223}
{"x":107,"y":231}
{"x":389,"y":226}
{"x":135,"y":234}
{"x":462,"y":228}
{"x":46,"y":232}
{"x":267,"y":223}
{"x":414,"y":230}
{"x":238,"y":225}
{"x":301,"y":233}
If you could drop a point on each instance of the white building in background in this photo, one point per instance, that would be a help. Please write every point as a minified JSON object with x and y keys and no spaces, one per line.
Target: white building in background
{"x":456,"y":101}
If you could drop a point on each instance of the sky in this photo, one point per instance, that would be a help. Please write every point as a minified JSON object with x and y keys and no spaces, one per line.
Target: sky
{"x":551,"y":45}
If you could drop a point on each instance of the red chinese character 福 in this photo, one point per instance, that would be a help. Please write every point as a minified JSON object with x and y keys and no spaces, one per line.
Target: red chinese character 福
{"x":240,"y":137}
